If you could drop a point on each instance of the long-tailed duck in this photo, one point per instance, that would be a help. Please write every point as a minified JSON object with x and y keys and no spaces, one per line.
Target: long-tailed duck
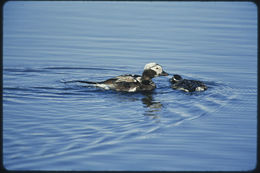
{"x":133,"y":83}
{"x":187,"y":85}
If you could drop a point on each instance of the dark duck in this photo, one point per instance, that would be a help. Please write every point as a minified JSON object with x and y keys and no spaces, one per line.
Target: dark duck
{"x":187,"y":85}
{"x":132,"y":83}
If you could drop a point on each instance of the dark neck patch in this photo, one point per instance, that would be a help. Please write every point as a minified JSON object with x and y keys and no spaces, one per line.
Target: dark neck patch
{"x":148,"y":74}
{"x":146,"y":82}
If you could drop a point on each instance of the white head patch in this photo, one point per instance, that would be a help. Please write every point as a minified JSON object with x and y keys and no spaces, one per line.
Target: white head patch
{"x":155,"y":67}
{"x":149,"y":65}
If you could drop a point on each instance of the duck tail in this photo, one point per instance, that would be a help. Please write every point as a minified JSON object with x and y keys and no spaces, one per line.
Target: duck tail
{"x":81,"y":81}
{"x":88,"y":82}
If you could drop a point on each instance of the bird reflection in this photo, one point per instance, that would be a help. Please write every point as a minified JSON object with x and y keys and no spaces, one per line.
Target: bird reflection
{"x":154,"y":107}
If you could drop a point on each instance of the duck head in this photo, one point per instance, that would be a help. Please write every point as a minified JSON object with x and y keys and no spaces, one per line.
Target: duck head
{"x":176,"y":78}
{"x":152,"y":70}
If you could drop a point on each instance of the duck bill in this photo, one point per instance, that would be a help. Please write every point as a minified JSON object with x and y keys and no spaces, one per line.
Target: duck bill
{"x":164,"y":74}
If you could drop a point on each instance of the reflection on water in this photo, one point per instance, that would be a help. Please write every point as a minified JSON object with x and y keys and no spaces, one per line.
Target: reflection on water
{"x":153,"y":107}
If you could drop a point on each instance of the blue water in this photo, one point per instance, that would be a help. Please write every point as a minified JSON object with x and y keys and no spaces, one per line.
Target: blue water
{"x":52,"y":125}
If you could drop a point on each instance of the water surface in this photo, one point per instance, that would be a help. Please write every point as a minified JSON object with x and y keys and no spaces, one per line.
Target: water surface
{"x":52,"y":125}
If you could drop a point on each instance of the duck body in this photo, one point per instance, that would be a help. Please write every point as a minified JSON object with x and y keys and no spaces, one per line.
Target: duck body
{"x":187,"y":85}
{"x":132,"y":83}
{"x":127,"y":83}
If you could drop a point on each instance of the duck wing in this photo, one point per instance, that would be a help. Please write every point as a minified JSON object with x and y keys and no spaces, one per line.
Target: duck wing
{"x":128,"y":83}
{"x":128,"y":78}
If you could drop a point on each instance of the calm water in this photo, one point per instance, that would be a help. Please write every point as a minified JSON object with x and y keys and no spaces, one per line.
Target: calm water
{"x":52,"y":125}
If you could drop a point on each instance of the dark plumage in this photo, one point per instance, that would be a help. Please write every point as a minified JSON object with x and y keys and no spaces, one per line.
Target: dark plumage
{"x":187,"y":85}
